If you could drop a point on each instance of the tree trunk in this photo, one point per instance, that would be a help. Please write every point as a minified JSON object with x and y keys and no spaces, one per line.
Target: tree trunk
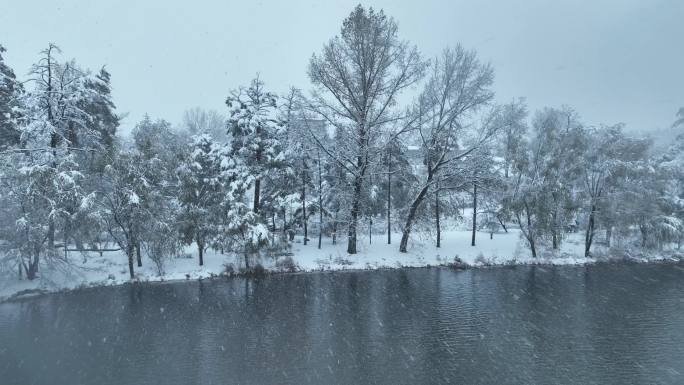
{"x":644,"y":235}
{"x":503,"y":225}
{"x":472,"y":242}
{"x":437,"y":224}
{"x":555,"y":241}
{"x":411,"y":216}
{"x":137,"y":254}
{"x":54,"y":138}
{"x":609,"y":235}
{"x":257,"y":181}
{"x":320,"y":201}
{"x":200,"y":250}
{"x":32,"y":268}
{"x":334,"y":232}
{"x":529,"y":232}
{"x":284,"y":223}
{"x":389,"y":196}
{"x":351,"y":241}
{"x":257,"y":192}
{"x":129,"y":254}
{"x":531,"y":240}
{"x":306,"y":230}
{"x":370,"y":231}
{"x":589,"y":236}
{"x":533,"y":249}
{"x":320,"y":228}
{"x":66,"y":239}
{"x":247,"y":261}
{"x":51,"y":235}
{"x":32,"y":272}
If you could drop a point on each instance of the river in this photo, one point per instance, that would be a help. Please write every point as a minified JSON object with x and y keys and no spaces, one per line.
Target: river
{"x":602,"y":324}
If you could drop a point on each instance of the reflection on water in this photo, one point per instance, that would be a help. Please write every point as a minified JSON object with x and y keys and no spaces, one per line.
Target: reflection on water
{"x":613,"y":324}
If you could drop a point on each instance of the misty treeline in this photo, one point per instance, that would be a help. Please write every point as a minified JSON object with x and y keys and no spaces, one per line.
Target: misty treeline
{"x":383,"y":134}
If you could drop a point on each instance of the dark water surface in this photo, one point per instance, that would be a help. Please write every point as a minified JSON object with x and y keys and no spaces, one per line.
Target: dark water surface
{"x":608,"y":324}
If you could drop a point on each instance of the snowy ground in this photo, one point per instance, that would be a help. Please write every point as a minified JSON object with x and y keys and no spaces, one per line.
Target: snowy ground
{"x":112,"y":269}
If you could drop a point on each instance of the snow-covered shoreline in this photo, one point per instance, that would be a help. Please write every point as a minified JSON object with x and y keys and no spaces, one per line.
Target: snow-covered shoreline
{"x":505,"y":249}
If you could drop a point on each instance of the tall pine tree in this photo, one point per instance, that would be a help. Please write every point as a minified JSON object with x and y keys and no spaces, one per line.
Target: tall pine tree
{"x":254,"y":126}
{"x":10,"y":91}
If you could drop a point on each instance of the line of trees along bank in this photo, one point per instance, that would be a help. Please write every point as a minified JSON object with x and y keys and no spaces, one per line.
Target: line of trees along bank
{"x":347,"y":151}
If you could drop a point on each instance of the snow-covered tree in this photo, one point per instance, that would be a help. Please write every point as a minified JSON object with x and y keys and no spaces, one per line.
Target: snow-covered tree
{"x":357,"y":78}
{"x":482,"y":176}
{"x":647,"y":205}
{"x":667,"y":187}
{"x":241,"y":228}
{"x":512,"y":120}
{"x":46,"y":165}
{"x":200,"y":121}
{"x":156,"y":139}
{"x":10,"y":97}
{"x":680,"y":118}
{"x":510,"y":147}
{"x":37,"y":195}
{"x":200,"y":194}
{"x":121,"y":203}
{"x":58,"y":126}
{"x":557,"y":147}
{"x":305,"y":161}
{"x":102,"y":117}
{"x":457,"y":87}
{"x":160,"y":151}
{"x":254,"y":125}
{"x":609,"y":157}
{"x":399,"y":176}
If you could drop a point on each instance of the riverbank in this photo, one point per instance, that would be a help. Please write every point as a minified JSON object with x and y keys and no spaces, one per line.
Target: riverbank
{"x":91,"y":269}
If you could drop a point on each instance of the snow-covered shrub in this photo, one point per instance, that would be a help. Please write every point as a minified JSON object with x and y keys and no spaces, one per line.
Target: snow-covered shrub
{"x":511,"y":262}
{"x":257,"y":270}
{"x":481,"y":260}
{"x":287,"y":264}
{"x":458,"y":264}
{"x":228,"y":268}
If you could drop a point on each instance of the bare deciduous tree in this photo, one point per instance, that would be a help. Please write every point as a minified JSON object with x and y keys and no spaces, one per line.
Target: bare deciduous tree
{"x":199,"y":121}
{"x":357,"y":78}
{"x":458,"y":86}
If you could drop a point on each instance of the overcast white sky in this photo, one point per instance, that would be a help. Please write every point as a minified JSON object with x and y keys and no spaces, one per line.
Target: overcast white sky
{"x":613,"y":61}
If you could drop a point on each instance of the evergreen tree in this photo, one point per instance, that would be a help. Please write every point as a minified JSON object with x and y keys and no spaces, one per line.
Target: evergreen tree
{"x":254,"y":126}
{"x":241,"y":229}
{"x":53,"y":135}
{"x":200,"y":194}
{"x":101,"y":109}
{"x":10,"y":95}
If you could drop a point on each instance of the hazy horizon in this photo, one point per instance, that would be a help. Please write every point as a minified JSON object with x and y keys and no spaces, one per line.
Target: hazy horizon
{"x":613,"y":61}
